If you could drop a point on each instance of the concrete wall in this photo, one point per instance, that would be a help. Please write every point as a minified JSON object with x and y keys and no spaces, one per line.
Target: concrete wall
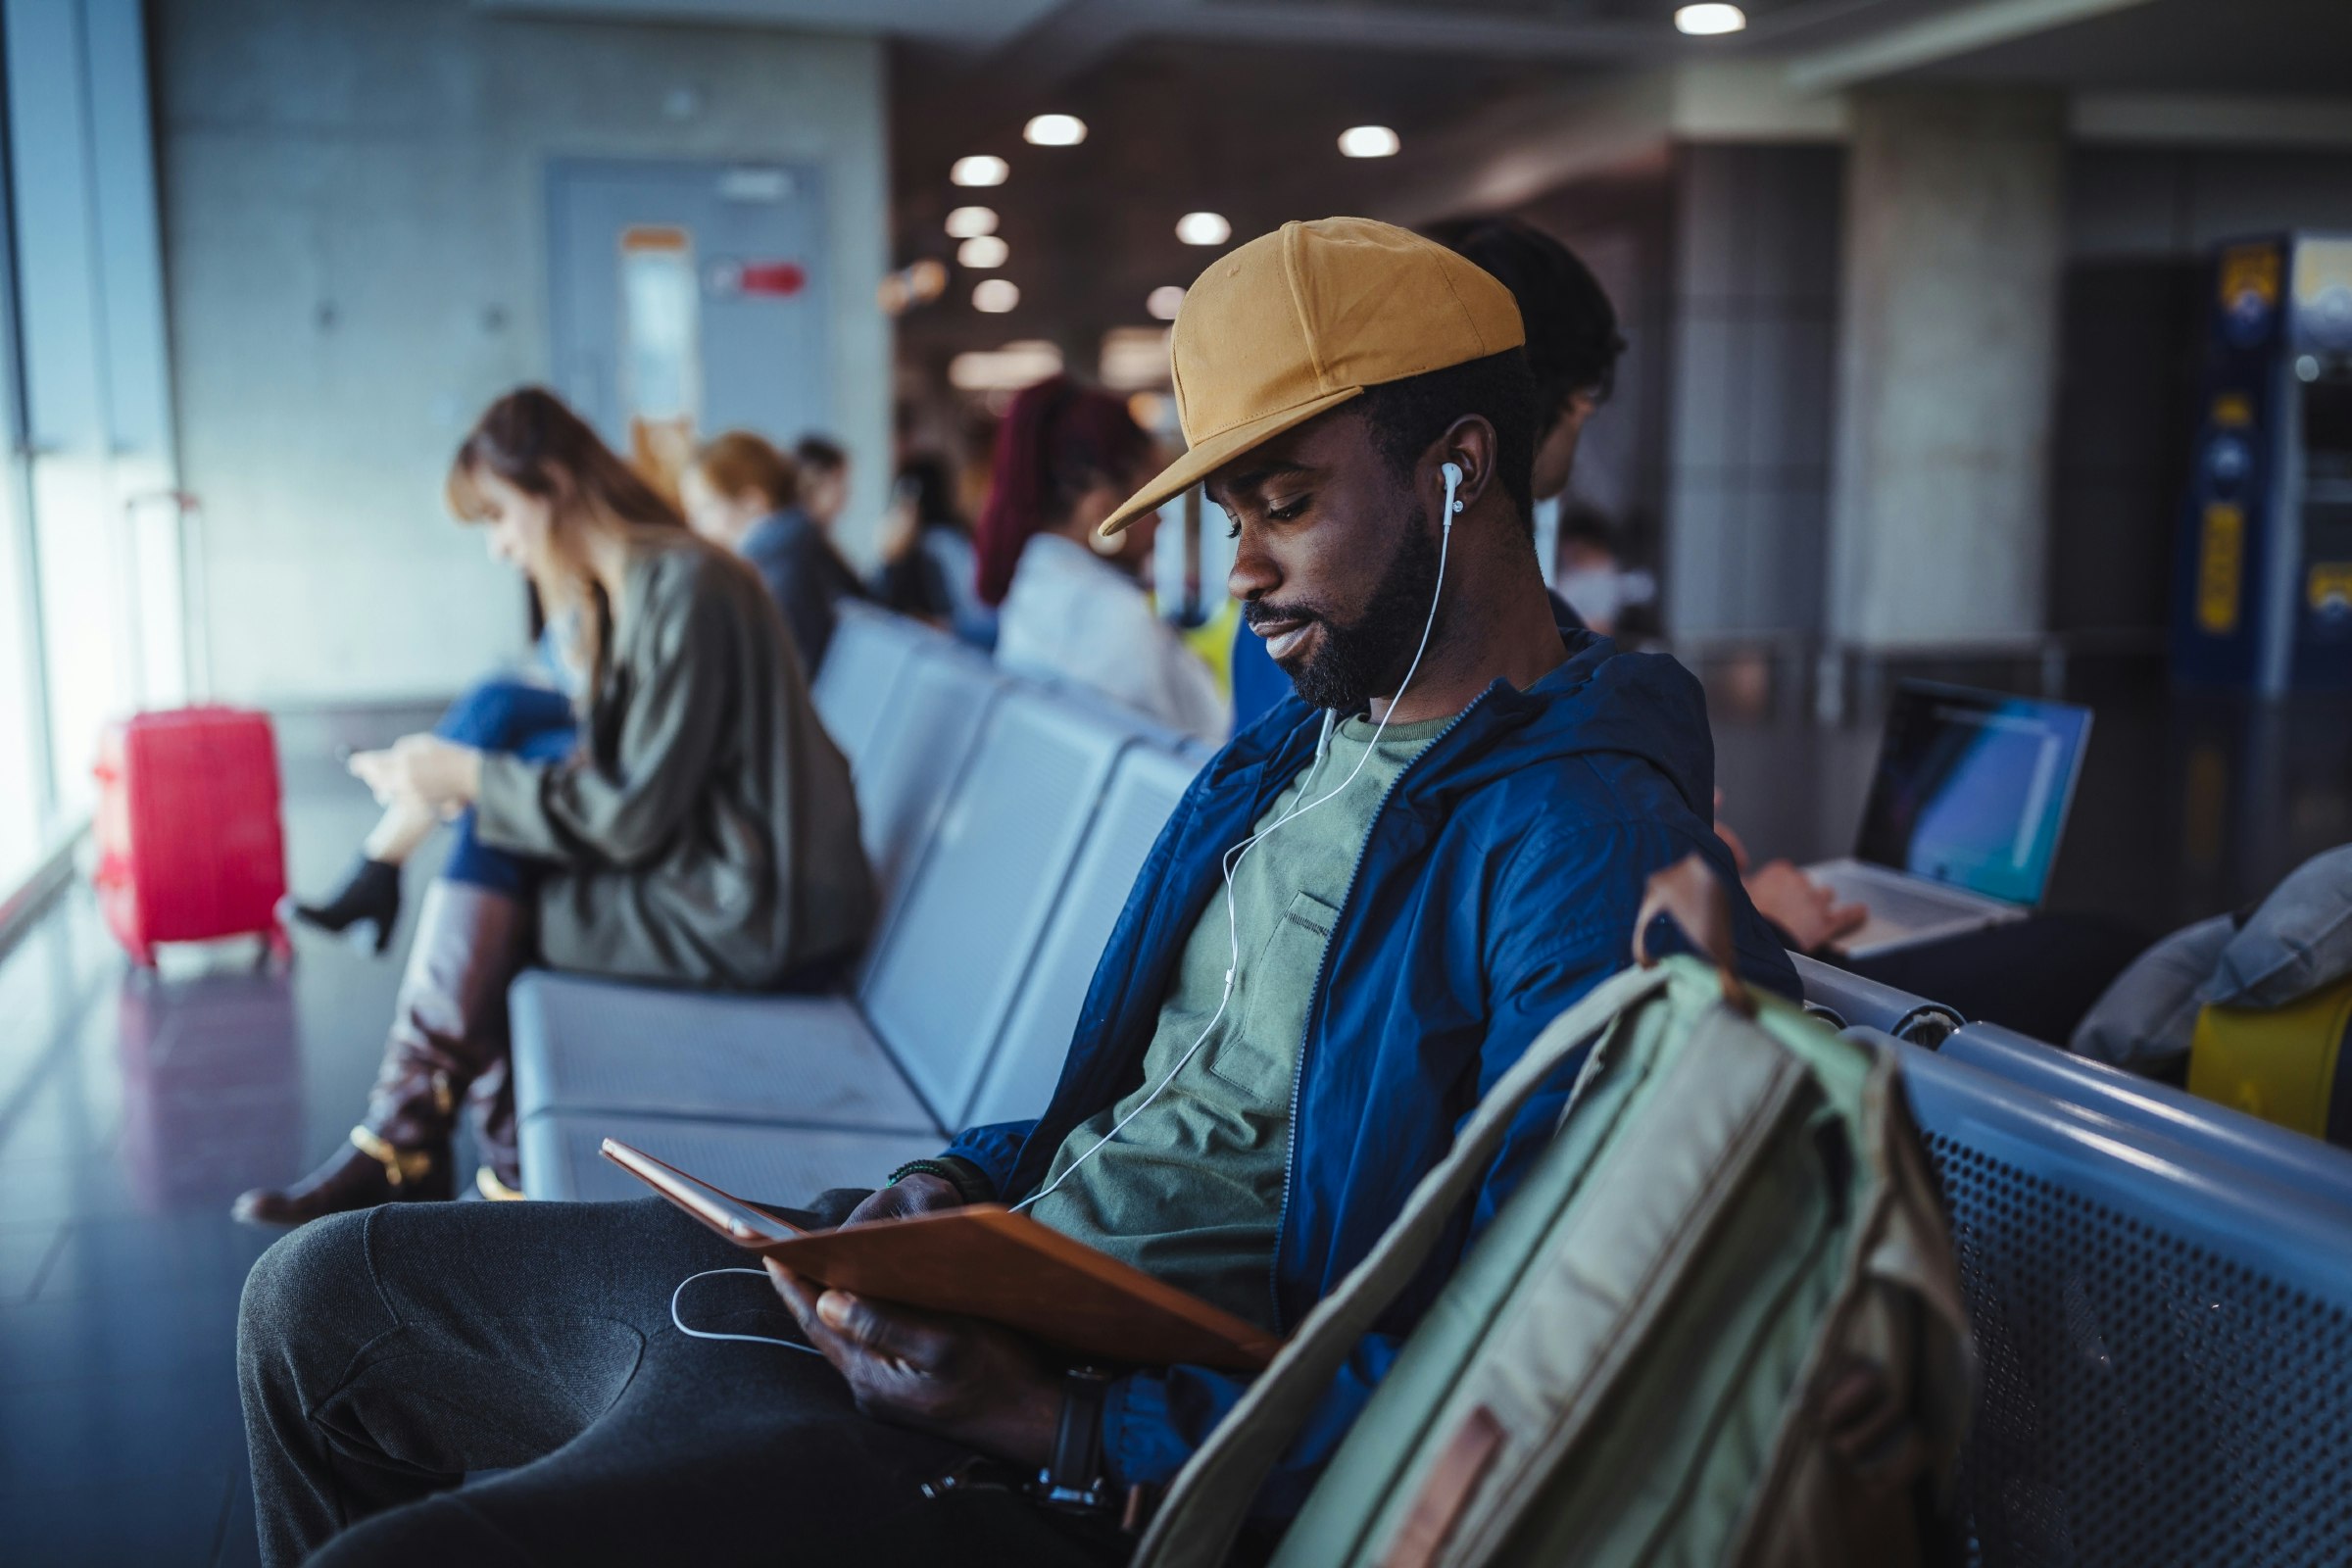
{"x":1947,"y":365}
{"x":1753,"y":339}
{"x":355,"y":241}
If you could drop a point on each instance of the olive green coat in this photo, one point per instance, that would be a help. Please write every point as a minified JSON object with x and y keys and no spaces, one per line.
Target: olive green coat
{"x":705,"y":833}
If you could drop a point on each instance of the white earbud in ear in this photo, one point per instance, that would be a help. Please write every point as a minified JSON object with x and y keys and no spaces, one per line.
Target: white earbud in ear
{"x":1453,"y":481}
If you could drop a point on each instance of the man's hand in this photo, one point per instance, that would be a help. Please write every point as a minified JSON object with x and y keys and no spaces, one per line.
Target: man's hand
{"x":1803,"y":907}
{"x":916,"y":1192}
{"x":970,"y":1382}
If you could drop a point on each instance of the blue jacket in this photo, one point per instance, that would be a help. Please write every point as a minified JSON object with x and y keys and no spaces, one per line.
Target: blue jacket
{"x":1497,"y":884}
{"x":805,"y":575}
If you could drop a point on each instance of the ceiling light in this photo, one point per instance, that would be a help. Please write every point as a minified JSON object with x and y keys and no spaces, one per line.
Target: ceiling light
{"x":1015,"y":365}
{"x":965,"y":222}
{"x":927,"y":279}
{"x":982,"y":252}
{"x":1368,"y":141}
{"x":1055,"y":131}
{"x":1134,"y":358}
{"x":994,"y":296}
{"x":979,"y":169}
{"x":1706,"y":21}
{"x":1164,"y":302}
{"x":1204,"y":229}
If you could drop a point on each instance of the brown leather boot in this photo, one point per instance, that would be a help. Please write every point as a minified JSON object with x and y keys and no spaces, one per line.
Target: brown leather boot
{"x":490,"y":1113}
{"x":448,"y":1031}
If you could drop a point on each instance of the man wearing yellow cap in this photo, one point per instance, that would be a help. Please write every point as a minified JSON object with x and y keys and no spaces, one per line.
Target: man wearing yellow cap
{"x":1363,"y":911}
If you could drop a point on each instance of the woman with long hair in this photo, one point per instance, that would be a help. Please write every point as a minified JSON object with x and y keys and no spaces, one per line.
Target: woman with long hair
{"x":696,"y":828}
{"x":1071,"y":606}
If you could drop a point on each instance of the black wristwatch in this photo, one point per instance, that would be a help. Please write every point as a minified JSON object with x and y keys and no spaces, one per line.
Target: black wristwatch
{"x":1072,"y":1480}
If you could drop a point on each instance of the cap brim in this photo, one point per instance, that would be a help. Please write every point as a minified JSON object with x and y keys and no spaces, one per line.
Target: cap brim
{"x":1212,"y":454}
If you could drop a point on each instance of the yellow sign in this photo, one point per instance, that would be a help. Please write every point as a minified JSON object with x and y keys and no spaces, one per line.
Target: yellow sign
{"x":2221,"y":566}
{"x":2233,"y":411}
{"x":2250,"y":270}
{"x":2329,"y":586}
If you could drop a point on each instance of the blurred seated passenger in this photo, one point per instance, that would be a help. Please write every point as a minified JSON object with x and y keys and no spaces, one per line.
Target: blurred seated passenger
{"x":929,"y":568}
{"x":2039,"y":976}
{"x":1070,"y":606}
{"x":1453,"y":819}
{"x":825,"y":470}
{"x":700,"y":831}
{"x":1591,"y":576}
{"x":1572,"y":350}
{"x":744,"y":494}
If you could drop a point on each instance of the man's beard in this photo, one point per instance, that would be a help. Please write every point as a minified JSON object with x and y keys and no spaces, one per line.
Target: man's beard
{"x":1368,"y":656}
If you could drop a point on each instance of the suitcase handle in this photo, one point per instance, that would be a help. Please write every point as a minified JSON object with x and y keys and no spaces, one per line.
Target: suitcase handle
{"x":1687,"y":893}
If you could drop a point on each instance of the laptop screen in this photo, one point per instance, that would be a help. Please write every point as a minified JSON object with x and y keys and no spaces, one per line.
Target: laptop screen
{"x":1973,"y":789}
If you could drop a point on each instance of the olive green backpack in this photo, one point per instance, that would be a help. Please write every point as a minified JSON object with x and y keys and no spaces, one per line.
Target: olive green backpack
{"x":1627,"y":1369}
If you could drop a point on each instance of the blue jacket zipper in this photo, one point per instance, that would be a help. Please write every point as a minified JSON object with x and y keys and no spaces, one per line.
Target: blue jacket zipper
{"x":1289,"y":1161}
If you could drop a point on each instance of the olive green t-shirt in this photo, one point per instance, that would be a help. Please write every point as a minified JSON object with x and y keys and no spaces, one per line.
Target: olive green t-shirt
{"x":1191,"y":1192}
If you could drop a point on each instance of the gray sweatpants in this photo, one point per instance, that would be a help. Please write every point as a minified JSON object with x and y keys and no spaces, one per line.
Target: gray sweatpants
{"x":385,"y":1355}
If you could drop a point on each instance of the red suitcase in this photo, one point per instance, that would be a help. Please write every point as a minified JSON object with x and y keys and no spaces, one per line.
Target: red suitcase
{"x":189,"y":845}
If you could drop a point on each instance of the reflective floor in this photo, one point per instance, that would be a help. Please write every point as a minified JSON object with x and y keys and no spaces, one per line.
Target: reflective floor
{"x":134,"y":1107}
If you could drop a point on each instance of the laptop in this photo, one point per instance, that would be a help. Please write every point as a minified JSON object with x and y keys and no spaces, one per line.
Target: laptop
{"x":1965,"y":813}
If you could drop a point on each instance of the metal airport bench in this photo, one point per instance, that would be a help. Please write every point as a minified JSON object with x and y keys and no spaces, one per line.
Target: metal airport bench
{"x":2161,"y":1291}
{"x":1006,"y":822}
{"x":2165,"y":1330}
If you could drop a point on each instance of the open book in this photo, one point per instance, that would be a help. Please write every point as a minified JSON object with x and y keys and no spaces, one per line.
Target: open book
{"x":982,"y":1261}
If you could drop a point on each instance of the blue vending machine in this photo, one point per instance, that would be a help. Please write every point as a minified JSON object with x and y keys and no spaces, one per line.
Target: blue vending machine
{"x":2263,"y":581}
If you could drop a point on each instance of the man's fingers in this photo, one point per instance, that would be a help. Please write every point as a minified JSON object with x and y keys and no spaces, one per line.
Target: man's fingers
{"x":797,"y":1299}
{"x":911,"y":1338}
{"x":1847,"y":918}
{"x":800,"y":1300}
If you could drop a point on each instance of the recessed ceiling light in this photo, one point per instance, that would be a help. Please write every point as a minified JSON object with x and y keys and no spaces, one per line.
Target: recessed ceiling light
{"x":983,"y":251}
{"x":1164,"y":302}
{"x":1055,"y":131}
{"x":1204,"y":229}
{"x":1368,"y":141}
{"x":1706,"y":21}
{"x":994,"y":295}
{"x":965,"y":222}
{"x":979,"y":169}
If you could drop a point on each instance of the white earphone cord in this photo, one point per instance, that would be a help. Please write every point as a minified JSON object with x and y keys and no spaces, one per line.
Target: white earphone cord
{"x":707,"y":1334}
{"x":1233,"y":857}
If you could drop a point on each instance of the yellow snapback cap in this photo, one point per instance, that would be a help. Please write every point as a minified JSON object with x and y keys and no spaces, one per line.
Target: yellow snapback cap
{"x":1300,"y":321}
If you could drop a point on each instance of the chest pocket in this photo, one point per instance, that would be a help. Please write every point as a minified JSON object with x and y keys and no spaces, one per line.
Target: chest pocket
{"x":1261,"y":1056}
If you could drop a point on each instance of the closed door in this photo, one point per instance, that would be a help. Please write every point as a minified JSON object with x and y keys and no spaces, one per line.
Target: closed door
{"x":689,"y":298}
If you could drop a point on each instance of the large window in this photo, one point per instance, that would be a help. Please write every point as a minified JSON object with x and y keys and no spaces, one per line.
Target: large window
{"x":91,"y":623}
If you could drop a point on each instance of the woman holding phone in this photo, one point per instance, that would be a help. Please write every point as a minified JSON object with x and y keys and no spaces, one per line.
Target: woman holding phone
{"x":695,"y":829}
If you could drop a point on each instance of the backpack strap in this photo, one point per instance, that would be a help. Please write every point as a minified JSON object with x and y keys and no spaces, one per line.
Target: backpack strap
{"x":1211,"y":1496}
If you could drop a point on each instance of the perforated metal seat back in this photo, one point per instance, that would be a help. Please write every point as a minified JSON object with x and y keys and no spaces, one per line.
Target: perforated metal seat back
{"x":1027,"y":1064}
{"x":868,"y":651}
{"x":940,"y":984}
{"x":2166,"y":1341}
{"x":915,"y":755}
{"x":2289,"y":1158}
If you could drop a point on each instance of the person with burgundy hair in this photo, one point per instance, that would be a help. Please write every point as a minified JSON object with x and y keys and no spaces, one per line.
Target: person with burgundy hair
{"x":1073,"y":608}
{"x":697,"y":828}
